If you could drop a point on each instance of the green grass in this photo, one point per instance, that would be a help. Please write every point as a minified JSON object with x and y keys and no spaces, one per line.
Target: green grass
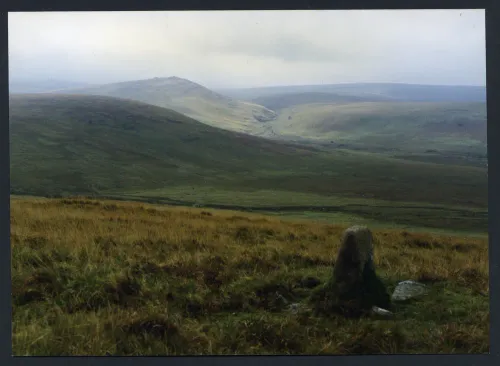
{"x":92,"y":277}
{"x":325,"y":208}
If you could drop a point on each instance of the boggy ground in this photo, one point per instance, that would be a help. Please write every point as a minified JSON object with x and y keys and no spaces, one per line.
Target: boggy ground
{"x":101,"y":277}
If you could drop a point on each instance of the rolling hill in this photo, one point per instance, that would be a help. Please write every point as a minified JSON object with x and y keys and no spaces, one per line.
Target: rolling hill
{"x":408,"y":126}
{"x":392,"y":117}
{"x":191,"y":99}
{"x":92,"y":143}
{"x":74,"y":144}
{"x":281,"y":101}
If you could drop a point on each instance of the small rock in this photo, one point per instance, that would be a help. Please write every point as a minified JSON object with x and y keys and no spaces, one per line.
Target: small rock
{"x":407,"y":290}
{"x":382,"y":312}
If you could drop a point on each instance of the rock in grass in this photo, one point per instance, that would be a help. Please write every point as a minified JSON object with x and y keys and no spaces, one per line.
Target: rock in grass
{"x":408,"y":290}
{"x":381,"y":312}
{"x":354,"y":287}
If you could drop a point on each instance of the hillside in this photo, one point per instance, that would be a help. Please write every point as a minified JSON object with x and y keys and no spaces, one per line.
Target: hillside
{"x":93,"y":143}
{"x":67,"y":144}
{"x":406,"y":126}
{"x":188,"y":98}
{"x":390,"y":91}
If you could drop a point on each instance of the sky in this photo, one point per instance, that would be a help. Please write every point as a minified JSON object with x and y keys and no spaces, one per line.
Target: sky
{"x":238,"y":49}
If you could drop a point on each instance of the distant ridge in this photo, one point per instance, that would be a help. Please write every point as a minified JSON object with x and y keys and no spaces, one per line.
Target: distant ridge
{"x":393,"y":91}
{"x":404,"y":117}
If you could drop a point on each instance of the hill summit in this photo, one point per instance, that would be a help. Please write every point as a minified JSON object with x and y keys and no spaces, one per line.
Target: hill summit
{"x":177,"y":87}
{"x":189,"y":98}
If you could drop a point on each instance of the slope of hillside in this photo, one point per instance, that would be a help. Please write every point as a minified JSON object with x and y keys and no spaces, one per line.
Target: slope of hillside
{"x":191,"y":99}
{"x":93,"y":143}
{"x":102,"y":145}
{"x":408,"y":126}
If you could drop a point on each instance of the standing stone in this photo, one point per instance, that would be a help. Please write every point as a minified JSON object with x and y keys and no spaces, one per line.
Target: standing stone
{"x":354,"y":287}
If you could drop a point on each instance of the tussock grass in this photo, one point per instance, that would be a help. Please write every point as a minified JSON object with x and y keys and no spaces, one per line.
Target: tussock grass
{"x":101,"y":277}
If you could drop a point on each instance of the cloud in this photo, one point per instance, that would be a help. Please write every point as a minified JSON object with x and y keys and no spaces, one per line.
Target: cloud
{"x":251,"y":48}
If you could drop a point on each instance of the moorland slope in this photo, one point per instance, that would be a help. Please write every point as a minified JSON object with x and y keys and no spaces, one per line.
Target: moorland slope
{"x":102,"y":145}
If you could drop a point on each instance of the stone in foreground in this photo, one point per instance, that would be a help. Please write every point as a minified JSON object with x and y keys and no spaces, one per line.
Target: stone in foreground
{"x":354,"y":288}
{"x":407,"y":290}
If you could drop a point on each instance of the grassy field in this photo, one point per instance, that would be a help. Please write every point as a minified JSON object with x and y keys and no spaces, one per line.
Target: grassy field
{"x":106,"y":277}
{"x":431,"y":217}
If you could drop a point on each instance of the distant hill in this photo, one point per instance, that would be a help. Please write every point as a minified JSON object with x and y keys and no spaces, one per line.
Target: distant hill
{"x":391,"y":91}
{"x":281,"y":101}
{"x":411,"y":126}
{"x":402,"y":117}
{"x":41,"y":86}
{"x":81,"y":144}
{"x":188,"y":98}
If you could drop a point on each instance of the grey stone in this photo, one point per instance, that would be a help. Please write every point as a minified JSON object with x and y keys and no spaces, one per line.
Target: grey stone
{"x":382,"y":312}
{"x":407,"y":290}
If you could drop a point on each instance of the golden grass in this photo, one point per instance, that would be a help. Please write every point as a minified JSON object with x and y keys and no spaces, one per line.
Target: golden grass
{"x":91,"y":277}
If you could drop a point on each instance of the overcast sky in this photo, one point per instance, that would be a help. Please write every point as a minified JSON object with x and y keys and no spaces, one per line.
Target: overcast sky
{"x":252,"y":48}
